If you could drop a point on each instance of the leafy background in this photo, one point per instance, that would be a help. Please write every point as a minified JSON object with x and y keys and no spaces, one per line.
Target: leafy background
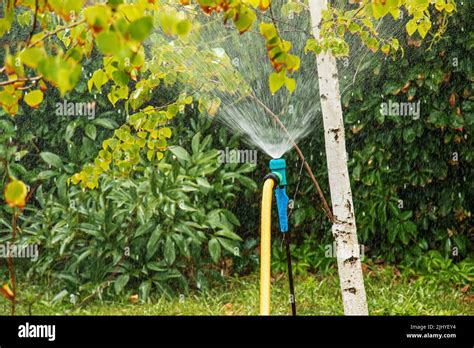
{"x":197,"y":220}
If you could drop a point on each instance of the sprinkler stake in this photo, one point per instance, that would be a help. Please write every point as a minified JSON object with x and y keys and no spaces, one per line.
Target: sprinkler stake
{"x":278,"y":167}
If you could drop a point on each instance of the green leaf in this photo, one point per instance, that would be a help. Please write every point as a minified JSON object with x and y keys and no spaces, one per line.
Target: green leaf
{"x":183,"y":27}
{"x":52,"y":159}
{"x":203,"y":183}
{"x":140,"y":28}
{"x":153,"y":242}
{"x":245,"y":19}
{"x":144,"y":289}
{"x":120,"y":283}
{"x":409,"y":135}
{"x":227,"y":244}
{"x":91,"y":131}
{"x":247,"y":182}
{"x":46,"y":174}
{"x":98,"y":79}
{"x":356,"y":172}
{"x":404,"y":237}
{"x":105,"y":123}
{"x":108,"y":42}
{"x":169,"y":251}
{"x":313,"y":45}
{"x":214,"y":249}
{"x":59,"y":296}
{"x":155,"y":266}
{"x":231,"y":217}
{"x":228,"y":234}
{"x":392,"y":227}
{"x":195,"y":142}
{"x":180,"y":153}
{"x":410,"y":228}
{"x":32,"y":56}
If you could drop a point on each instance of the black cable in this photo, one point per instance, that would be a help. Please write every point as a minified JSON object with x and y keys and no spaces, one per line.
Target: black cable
{"x":290,"y":274}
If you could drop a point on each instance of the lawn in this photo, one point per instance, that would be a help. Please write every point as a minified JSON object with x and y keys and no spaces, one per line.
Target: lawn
{"x":389,"y":292}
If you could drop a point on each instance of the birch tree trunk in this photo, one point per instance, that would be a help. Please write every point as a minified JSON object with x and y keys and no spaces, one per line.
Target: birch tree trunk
{"x":344,"y":228}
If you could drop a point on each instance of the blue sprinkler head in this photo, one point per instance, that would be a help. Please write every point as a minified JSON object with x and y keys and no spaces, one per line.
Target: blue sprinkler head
{"x":278,"y":167}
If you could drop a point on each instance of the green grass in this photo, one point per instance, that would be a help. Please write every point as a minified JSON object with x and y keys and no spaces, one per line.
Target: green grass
{"x":387,"y":294}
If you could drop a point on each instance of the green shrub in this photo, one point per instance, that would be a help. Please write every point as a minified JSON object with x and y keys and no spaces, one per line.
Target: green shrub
{"x":433,"y":266}
{"x":165,"y":228}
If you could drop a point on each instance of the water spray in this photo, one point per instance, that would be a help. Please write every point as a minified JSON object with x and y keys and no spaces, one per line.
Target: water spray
{"x":274,"y":181}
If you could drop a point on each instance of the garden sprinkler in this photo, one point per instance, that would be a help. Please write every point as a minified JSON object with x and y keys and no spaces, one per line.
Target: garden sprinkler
{"x":275,"y":181}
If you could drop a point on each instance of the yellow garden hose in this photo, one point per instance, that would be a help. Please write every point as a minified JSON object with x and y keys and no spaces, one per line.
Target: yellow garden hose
{"x":265,"y":246}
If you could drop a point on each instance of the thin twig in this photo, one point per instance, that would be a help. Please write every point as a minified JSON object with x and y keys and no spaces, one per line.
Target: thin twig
{"x":21,"y":79}
{"x":326,"y":208}
{"x":33,"y":27}
{"x":54,"y":32}
{"x":287,"y":23}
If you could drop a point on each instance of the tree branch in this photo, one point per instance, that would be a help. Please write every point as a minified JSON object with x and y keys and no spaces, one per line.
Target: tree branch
{"x":54,"y":32}
{"x":21,"y":79}
{"x":35,"y":18}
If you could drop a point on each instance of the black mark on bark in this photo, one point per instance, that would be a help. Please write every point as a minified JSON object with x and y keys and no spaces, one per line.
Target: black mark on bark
{"x":351,"y":290}
{"x":352,"y":260}
{"x":335,"y":132}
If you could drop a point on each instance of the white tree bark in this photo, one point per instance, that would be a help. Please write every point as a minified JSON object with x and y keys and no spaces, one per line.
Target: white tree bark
{"x":344,"y":228}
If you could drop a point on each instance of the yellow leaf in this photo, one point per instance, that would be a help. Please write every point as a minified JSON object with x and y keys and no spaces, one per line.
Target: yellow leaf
{"x":411,"y":26}
{"x":34,"y":98}
{"x":424,"y":27}
{"x":7,"y":292}
{"x":440,"y":4}
{"x":290,"y":84}
{"x":166,"y":132}
{"x":253,"y":3}
{"x":150,"y":155}
{"x":276,"y":81}
{"x":32,"y":56}
{"x":268,"y":30}
{"x":385,"y":49}
{"x":449,"y":8}
{"x":264,"y":4}
{"x":15,"y":194}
